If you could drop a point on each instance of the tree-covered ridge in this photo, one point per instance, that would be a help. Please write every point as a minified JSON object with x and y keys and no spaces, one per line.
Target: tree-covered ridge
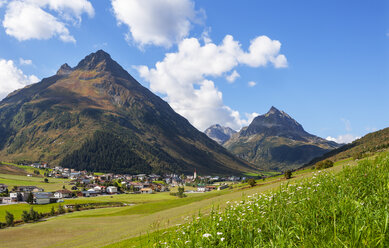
{"x":106,"y":152}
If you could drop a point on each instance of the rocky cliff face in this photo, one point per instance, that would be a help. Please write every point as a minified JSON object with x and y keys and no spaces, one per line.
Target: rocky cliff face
{"x":219,"y":133}
{"x":96,"y":116}
{"x":276,"y":141}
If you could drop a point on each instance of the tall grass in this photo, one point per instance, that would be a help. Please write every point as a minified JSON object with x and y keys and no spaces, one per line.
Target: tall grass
{"x":350,"y":209}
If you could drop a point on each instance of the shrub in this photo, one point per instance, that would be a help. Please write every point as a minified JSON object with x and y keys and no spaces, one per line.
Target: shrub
{"x":324,"y":164}
{"x":25,"y":216}
{"x":52,"y":212}
{"x":61,"y":210}
{"x":252,"y":182}
{"x":9,"y":218}
{"x":180,"y":192}
{"x":288,"y":174}
{"x":34,"y":215}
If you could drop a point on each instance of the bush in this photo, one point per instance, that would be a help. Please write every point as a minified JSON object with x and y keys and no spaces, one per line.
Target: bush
{"x":61,"y":210}
{"x":34,"y":215}
{"x":324,"y":164}
{"x":288,"y":174}
{"x":180,"y":192}
{"x":9,"y":218}
{"x":25,"y":216}
{"x":252,"y":182}
{"x":52,"y":212}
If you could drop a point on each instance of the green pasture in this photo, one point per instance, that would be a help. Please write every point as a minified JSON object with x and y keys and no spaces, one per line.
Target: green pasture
{"x":16,"y":180}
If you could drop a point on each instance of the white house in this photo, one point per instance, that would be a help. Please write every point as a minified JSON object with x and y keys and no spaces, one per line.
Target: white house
{"x":63,"y":194}
{"x":97,"y":188}
{"x":146,"y":191}
{"x":202,"y":189}
{"x":112,"y":190}
{"x":9,"y":200}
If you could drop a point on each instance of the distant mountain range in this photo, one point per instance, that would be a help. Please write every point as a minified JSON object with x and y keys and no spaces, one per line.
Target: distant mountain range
{"x":275,"y":141}
{"x":219,"y":134}
{"x":97,"y":117}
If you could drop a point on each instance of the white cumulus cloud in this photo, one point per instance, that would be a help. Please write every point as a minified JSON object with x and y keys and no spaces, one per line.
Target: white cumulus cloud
{"x":30,"y":19}
{"x":251,"y":84}
{"x":343,"y":139}
{"x":12,"y":78}
{"x":183,"y":78}
{"x":156,"y":22}
{"x":233,"y":76}
{"x":25,"y":61}
{"x":262,"y":51}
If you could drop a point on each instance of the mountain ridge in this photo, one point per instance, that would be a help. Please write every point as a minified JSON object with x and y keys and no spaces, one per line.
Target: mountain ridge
{"x":66,"y":118}
{"x":276,"y":141}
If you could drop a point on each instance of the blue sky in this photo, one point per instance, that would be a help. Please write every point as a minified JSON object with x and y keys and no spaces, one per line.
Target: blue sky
{"x":325,"y":63}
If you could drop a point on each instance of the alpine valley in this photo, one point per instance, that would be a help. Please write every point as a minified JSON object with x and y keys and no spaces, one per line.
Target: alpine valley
{"x":275,"y":141}
{"x":97,"y":117}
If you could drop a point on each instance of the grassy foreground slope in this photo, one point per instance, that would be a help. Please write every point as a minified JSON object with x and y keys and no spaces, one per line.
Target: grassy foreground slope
{"x":121,"y":226}
{"x":350,"y":209}
{"x":366,"y":146}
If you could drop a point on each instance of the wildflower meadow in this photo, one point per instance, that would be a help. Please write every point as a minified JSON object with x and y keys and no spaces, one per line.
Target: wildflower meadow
{"x":348,"y":209}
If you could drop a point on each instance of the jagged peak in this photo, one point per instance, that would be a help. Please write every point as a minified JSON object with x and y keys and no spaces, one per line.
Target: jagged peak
{"x":65,"y":69}
{"x":275,"y":122}
{"x":273,"y":110}
{"x":93,"y":59}
{"x":215,"y":126}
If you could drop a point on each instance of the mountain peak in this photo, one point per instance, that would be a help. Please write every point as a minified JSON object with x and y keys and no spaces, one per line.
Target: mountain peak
{"x":274,"y":122}
{"x":273,"y":110}
{"x":91,"y":61}
{"x":65,"y":69}
{"x":219,"y":133}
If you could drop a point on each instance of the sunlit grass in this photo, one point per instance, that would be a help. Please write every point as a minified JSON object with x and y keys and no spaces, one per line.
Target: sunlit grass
{"x":350,"y":209}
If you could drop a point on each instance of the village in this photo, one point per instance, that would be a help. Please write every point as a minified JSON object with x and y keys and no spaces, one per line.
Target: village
{"x":89,"y":184}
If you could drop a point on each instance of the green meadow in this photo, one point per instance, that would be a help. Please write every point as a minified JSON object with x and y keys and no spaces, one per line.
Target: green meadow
{"x":349,"y":209}
{"x":19,"y":180}
{"x":133,"y":225}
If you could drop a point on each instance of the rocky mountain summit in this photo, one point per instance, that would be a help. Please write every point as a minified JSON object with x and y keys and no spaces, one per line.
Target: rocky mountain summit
{"x":219,"y":133}
{"x":276,"y":141}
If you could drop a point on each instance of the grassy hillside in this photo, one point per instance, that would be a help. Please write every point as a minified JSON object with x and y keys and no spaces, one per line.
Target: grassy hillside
{"x":119,"y":224}
{"x":345,"y":210}
{"x":360,"y":148}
